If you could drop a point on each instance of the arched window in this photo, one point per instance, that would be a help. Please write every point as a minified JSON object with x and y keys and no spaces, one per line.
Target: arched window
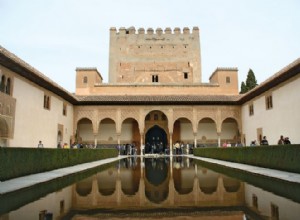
{"x":2,"y":85}
{"x":85,"y":79}
{"x":45,"y":101}
{"x":7,"y":89}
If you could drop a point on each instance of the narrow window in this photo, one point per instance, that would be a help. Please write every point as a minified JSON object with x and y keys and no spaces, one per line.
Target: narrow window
{"x":47,"y":102}
{"x":186,"y":75}
{"x":251,"y":109}
{"x":155,"y":117}
{"x":8,"y":86}
{"x":62,"y":206}
{"x":64,"y":109}
{"x":254,"y":201}
{"x":85,"y":79}
{"x":2,"y":85}
{"x":227,"y":79}
{"x":274,"y":211}
{"x":269,"y":102}
{"x":42,"y":215}
{"x":154,"y":78}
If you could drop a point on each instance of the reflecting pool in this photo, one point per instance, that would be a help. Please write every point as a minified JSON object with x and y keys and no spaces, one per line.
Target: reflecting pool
{"x":157,"y":187}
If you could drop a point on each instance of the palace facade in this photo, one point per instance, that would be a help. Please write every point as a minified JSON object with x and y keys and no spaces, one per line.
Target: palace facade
{"x":154,"y":96}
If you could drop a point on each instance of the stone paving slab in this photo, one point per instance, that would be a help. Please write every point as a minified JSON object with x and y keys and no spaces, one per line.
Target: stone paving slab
{"x":278,"y":174}
{"x":33,"y":179}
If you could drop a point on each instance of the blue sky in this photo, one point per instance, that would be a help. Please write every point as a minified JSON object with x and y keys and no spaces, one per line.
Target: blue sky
{"x":56,"y":36}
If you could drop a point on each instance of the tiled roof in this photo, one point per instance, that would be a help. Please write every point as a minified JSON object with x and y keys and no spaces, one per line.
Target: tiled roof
{"x":14,"y":63}
{"x":281,"y":76}
{"x":159,"y":99}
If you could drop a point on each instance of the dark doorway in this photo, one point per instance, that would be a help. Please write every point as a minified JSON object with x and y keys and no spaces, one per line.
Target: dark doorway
{"x":156,"y":140}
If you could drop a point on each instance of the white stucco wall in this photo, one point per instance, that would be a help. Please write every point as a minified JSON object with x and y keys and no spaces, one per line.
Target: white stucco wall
{"x":288,"y":209}
{"x":33,"y":122}
{"x":282,"y":119}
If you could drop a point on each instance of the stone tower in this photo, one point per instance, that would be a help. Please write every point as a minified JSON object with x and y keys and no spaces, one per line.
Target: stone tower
{"x":160,"y":57}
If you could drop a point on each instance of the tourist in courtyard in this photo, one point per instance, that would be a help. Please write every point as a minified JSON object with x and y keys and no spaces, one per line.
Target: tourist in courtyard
{"x":281,"y":140}
{"x":40,"y":145}
{"x":264,"y":141}
{"x":253,"y":143}
{"x":287,"y":140}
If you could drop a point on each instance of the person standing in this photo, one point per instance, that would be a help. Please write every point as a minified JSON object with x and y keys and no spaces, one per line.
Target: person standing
{"x":264,"y":141}
{"x":281,"y":140}
{"x":40,"y":145}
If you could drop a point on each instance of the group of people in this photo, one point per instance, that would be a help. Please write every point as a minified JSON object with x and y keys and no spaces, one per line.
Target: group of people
{"x":181,"y":148}
{"x":282,"y":140}
{"x":127,"y":149}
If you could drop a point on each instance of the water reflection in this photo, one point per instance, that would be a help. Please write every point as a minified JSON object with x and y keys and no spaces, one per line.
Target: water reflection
{"x":175,"y":186}
{"x":159,"y":182}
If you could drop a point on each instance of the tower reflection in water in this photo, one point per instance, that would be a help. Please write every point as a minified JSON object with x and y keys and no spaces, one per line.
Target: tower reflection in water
{"x":157,"y":182}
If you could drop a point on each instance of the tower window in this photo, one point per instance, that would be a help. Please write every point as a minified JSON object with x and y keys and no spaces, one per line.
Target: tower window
{"x":186,"y":75}
{"x":85,"y":79}
{"x":227,"y":79}
{"x":154,"y":78}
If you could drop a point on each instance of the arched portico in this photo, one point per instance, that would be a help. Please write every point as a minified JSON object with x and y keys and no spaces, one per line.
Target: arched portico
{"x":196,"y":125}
{"x":107,"y":134}
{"x":156,"y":140}
{"x":84,"y":133}
{"x":130,"y":133}
{"x":230,"y":132}
{"x":207,"y":132}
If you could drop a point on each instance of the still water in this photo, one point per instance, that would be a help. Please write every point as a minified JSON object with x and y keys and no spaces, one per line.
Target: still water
{"x":152,"y":188}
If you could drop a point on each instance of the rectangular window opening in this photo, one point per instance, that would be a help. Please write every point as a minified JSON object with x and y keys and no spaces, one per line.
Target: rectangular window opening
{"x":227,"y":79}
{"x":64,"y":109}
{"x":274,"y":211}
{"x":251,"y":109}
{"x":269,"y":102}
{"x":186,"y":75}
{"x":254,"y":201}
{"x":154,"y":78}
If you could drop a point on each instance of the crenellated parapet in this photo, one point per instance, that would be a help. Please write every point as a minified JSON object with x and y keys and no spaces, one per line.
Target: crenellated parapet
{"x":151,"y":31}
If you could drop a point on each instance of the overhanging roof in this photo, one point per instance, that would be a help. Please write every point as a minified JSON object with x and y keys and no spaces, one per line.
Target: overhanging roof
{"x":15,"y":64}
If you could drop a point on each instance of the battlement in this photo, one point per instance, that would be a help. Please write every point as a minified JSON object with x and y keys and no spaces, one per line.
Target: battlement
{"x":150,"y":31}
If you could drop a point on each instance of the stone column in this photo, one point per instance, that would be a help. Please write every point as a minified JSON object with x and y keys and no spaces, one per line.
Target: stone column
{"x":219,"y":139}
{"x":119,"y":141}
{"x":171,"y":145}
{"x":195,"y":140}
{"x":95,"y":139}
{"x":142,"y":144}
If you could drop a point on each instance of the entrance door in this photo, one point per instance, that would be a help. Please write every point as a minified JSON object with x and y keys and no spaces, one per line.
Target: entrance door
{"x":156,"y":140}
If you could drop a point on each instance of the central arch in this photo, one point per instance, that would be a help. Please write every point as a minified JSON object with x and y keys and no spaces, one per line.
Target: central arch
{"x":156,"y":140}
